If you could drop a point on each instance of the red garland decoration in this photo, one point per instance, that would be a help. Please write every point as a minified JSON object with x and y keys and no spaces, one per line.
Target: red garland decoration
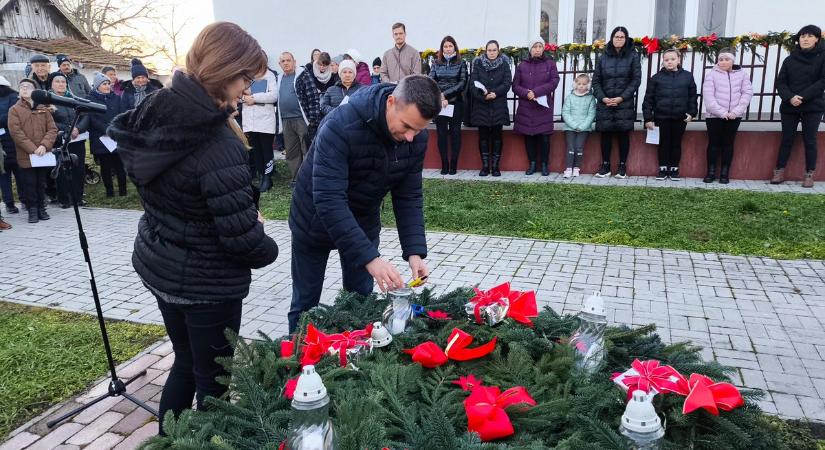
{"x":485,"y":408}
{"x":522,"y":305}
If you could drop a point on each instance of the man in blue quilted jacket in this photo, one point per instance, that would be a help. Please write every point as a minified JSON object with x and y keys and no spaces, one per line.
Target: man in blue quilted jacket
{"x":369,"y":147}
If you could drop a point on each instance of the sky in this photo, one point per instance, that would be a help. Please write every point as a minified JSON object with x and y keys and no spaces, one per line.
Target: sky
{"x":199,"y":14}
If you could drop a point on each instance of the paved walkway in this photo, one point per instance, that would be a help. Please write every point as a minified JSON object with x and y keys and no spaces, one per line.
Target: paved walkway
{"x":684,"y":183}
{"x":763,"y":316}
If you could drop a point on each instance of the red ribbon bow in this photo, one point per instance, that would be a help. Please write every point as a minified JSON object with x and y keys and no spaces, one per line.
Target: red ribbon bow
{"x":485,"y":408}
{"x":650,"y":375}
{"x":318,"y":343}
{"x":651,"y":45}
{"x":522,"y":305}
{"x":710,"y":396}
{"x":287,"y":349}
{"x":708,"y":40}
{"x":429,"y":354}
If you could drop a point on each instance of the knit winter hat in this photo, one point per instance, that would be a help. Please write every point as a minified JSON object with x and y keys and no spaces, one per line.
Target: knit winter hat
{"x":537,"y":40}
{"x":376,"y":62}
{"x":61,"y":59}
{"x":99,"y":79}
{"x":337,"y":59}
{"x":355,"y":55}
{"x":27,"y":80}
{"x":809,"y":29}
{"x":38,"y":58}
{"x":138,"y":69}
{"x":347,"y":64}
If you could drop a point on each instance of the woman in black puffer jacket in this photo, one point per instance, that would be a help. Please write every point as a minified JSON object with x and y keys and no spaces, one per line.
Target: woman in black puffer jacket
{"x":801,"y":84}
{"x":616,"y":78}
{"x":490,"y":112}
{"x":200,"y":234}
{"x":450,"y":73}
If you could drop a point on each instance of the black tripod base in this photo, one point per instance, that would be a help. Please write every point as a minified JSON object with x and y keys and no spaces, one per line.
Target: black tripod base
{"x":117,"y":388}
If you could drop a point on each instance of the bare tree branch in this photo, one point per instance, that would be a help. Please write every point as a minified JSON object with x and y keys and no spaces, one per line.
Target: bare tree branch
{"x":115,"y":23}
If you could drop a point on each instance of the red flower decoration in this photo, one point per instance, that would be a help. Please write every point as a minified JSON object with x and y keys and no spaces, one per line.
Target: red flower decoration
{"x":522,"y":305}
{"x":651,"y":45}
{"x":550,"y":47}
{"x":468,"y":383}
{"x":438,"y":315}
{"x":708,"y":40}
{"x":710,"y":396}
{"x":289,"y":387}
{"x":485,"y":408}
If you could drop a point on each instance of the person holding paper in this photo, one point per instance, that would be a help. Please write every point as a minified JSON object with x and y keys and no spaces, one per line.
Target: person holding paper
{"x":670,"y":103}
{"x":535,"y":82}
{"x":343,"y":89}
{"x":34,"y":132}
{"x":450,"y":73}
{"x":616,"y":79}
{"x":491,"y":80}
{"x":99,"y":144}
{"x":260,"y":123}
{"x":63,"y":118}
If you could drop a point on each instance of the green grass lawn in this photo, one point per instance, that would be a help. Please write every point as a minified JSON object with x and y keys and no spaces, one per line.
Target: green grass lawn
{"x":47,"y":356}
{"x":779,"y":225}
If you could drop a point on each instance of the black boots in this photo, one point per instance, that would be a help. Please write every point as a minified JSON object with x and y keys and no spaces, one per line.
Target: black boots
{"x":454,"y":165}
{"x":724,"y":175}
{"x":531,"y":169}
{"x":711,"y":176}
{"x":33,"y":217}
{"x":42,"y":214}
{"x":545,"y":161}
{"x":445,"y":165}
{"x":484,"y":150}
{"x":266,"y":183}
{"x":496,"y":158}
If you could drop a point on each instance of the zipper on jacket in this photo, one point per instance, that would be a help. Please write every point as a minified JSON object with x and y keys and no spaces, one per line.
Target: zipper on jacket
{"x":730,"y":92}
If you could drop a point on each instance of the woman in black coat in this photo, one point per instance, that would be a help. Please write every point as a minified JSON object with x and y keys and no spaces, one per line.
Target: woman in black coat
{"x":200,"y":234}
{"x":616,"y":78}
{"x":63,"y":118}
{"x":450,"y":73}
{"x":800,"y":84}
{"x":96,"y":124}
{"x":489,"y":112}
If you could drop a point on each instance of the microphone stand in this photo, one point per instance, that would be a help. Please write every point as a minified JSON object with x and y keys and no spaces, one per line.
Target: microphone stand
{"x":117,"y":387}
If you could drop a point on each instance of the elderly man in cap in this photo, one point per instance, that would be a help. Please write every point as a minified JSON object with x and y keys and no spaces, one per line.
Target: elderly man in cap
{"x":40,"y":71}
{"x":78,"y":84}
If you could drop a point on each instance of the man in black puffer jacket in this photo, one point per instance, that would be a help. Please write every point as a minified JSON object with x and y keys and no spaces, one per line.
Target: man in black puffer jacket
{"x":200,"y":234}
{"x":364,"y":149}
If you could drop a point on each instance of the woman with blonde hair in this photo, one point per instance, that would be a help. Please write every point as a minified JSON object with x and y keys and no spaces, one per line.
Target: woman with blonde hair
{"x":200,"y":233}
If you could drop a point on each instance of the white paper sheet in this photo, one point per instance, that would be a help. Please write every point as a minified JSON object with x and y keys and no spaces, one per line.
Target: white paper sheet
{"x":110,"y":144}
{"x":543,"y":101}
{"x":47,"y":160}
{"x":447,"y":111}
{"x":479,"y":85}
{"x":345,"y":100}
{"x":81,"y":137}
{"x":652,"y":136}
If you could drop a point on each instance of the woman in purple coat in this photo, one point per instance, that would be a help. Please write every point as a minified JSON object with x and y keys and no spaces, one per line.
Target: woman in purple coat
{"x":534,"y":83}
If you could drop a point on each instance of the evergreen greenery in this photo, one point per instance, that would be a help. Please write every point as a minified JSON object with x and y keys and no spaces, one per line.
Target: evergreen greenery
{"x":391,"y":402}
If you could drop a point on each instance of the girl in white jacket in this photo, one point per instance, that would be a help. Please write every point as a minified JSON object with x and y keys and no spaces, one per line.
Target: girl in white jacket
{"x":259,"y":122}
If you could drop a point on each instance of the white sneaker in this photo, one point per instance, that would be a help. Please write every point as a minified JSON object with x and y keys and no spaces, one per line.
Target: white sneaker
{"x":568,"y":173}
{"x":576,"y":171}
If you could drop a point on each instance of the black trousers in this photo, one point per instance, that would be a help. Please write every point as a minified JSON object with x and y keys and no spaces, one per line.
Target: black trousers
{"x":197,"y":335}
{"x":671,"y":132}
{"x":34,"y":186}
{"x":78,"y":181}
{"x":721,"y":138}
{"x":261,"y":156}
{"x":12,"y":169}
{"x":607,"y":144}
{"x":810,"y":125}
{"x":309,"y":265}
{"x":490,"y":134}
{"x":110,"y":163}
{"x":537,"y":147}
{"x":449,"y":132}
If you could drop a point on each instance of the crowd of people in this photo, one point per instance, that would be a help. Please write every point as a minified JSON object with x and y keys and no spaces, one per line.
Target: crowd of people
{"x":32,"y":129}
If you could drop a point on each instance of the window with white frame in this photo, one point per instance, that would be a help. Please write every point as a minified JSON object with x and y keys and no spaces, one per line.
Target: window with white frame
{"x":670,"y":18}
{"x":549,"y":23}
{"x":573,"y":20}
{"x":713,"y":15}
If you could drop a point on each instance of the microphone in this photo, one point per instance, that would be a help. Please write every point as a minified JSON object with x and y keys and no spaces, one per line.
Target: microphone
{"x":42,"y":97}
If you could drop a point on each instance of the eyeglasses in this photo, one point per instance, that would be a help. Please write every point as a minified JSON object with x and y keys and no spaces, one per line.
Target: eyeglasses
{"x":248,"y":80}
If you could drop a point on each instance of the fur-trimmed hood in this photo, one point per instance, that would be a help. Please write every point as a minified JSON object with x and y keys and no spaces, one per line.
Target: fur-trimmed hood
{"x":166,"y":127}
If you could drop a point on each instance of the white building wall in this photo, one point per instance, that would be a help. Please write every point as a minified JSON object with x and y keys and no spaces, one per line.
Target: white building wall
{"x":334,"y":25}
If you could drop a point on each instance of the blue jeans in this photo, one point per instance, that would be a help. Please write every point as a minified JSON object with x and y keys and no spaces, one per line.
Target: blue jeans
{"x":309,"y":264}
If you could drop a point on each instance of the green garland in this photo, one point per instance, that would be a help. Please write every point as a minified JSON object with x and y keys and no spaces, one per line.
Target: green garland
{"x":391,"y":402}
{"x":709,"y":45}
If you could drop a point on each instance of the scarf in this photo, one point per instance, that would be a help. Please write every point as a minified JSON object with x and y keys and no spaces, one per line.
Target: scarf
{"x":140,"y":94}
{"x":323,"y":78}
{"x":490,"y":65}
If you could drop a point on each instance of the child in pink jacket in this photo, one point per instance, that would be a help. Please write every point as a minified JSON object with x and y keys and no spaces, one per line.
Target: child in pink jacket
{"x":726,"y":92}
